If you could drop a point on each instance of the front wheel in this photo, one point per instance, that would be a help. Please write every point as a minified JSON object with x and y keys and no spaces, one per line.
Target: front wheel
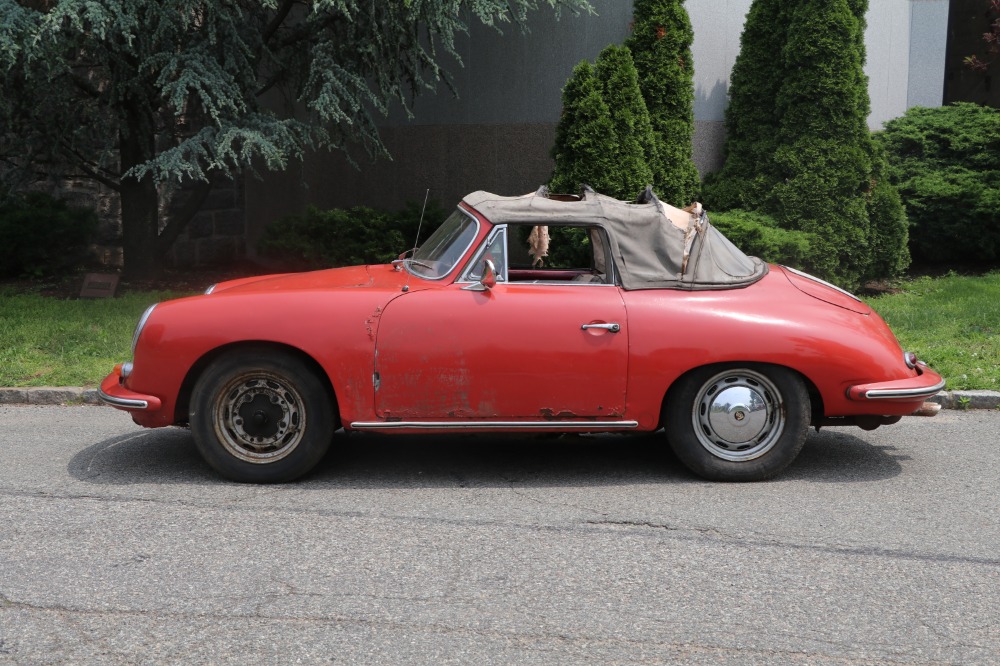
{"x":260,"y":416}
{"x":743,"y":423}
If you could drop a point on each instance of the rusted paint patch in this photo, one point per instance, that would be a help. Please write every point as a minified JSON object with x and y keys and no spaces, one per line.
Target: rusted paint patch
{"x":371,"y":324}
{"x":551,"y":415}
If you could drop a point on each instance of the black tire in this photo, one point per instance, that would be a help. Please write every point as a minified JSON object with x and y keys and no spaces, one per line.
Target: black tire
{"x":261,"y":416}
{"x":738,"y":423}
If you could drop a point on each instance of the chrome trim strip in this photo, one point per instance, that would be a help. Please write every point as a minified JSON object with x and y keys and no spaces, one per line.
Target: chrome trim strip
{"x":822,"y":282}
{"x":889,"y":394}
{"x":466,"y":277}
{"x":478,"y":425}
{"x":124,"y":403}
{"x":141,"y":325}
{"x":462,"y":256}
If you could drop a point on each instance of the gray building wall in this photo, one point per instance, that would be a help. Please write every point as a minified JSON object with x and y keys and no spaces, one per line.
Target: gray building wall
{"x":497,"y":133}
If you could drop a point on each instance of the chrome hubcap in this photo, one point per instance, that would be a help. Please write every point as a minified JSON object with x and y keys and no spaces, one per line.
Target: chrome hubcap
{"x":260,"y":418}
{"x":738,"y":415}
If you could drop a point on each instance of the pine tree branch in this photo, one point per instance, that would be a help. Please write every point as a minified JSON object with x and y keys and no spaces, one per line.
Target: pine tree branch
{"x":196,"y":199}
{"x":92,"y":170}
{"x":279,"y":18}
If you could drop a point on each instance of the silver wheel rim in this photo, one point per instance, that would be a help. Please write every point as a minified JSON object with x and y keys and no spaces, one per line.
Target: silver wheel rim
{"x":738,"y":415}
{"x":259,"y":417}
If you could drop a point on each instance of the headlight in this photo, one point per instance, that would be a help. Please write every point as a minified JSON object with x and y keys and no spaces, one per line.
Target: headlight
{"x":211,"y":289}
{"x":140,"y":325}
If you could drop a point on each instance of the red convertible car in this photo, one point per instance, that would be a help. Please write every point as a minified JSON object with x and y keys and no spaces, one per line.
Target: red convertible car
{"x":542,"y":313}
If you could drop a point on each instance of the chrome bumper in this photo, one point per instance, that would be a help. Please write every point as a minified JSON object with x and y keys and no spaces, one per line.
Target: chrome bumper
{"x":113,"y":393}
{"x":926,"y":384}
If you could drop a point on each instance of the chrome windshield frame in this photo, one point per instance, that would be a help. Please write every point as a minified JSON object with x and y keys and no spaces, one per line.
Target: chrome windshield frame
{"x":466,"y":277}
{"x":462,"y":255}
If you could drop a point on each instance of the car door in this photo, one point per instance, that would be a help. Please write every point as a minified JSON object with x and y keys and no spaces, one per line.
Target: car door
{"x":521,"y":351}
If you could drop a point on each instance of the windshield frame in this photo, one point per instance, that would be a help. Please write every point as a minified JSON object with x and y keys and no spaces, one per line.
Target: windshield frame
{"x":412,"y":264}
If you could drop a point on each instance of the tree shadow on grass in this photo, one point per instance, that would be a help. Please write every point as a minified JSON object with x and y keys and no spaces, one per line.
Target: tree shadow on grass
{"x":362,"y":461}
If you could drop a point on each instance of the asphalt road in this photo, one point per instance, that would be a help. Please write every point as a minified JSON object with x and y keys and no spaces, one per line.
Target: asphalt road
{"x":118,"y":545}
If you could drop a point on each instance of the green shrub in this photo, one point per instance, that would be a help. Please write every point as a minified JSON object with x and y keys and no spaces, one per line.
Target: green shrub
{"x":946,"y":164}
{"x":888,"y":240}
{"x":40,"y":235}
{"x":760,"y":236}
{"x":346,"y":237}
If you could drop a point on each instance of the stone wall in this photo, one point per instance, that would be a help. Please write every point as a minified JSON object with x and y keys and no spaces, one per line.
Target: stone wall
{"x":216,"y":235}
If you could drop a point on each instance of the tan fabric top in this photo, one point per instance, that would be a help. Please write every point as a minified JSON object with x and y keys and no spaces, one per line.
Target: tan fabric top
{"x":655,"y":246}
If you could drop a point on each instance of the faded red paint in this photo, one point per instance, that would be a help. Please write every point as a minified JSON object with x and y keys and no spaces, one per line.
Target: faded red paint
{"x":517,"y":352}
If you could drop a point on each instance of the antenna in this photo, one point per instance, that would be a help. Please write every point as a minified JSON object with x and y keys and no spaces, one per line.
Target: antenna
{"x":416,"y":241}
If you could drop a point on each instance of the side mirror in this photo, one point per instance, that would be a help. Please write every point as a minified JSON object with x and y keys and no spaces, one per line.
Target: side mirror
{"x":487,"y":281}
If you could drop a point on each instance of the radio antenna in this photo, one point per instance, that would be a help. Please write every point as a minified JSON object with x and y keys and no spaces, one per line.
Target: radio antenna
{"x":416,"y":241}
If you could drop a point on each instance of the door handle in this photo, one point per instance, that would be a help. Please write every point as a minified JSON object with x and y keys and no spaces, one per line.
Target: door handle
{"x":614,"y":328}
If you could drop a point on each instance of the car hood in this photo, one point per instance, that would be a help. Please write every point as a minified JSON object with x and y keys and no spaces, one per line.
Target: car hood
{"x":351,"y":277}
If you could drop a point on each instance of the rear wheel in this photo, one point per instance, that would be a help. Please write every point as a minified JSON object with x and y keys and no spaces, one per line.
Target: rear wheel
{"x":261,"y":416}
{"x":742,"y":423}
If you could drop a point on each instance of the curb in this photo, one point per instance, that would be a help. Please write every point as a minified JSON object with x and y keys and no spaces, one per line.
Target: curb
{"x":49,"y":395}
{"x":74,"y":395}
{"x":962,"y":400}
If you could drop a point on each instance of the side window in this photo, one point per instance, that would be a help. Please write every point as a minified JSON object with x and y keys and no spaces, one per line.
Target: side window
{"x":559,"y":253}
{"x":495,"y":251}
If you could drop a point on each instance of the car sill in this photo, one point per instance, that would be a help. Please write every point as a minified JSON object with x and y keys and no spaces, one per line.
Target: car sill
{"x":492,"y":425}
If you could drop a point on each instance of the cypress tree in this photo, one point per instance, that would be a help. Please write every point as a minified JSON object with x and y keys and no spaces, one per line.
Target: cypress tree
{"x":823,"y":164}
{"x":636,"y":145}
{"x":604,"y":137}
{"x":798,"y":145}
{"x":661,"y":48}
{"x":749,"y":172}
{"x":585,"y":137}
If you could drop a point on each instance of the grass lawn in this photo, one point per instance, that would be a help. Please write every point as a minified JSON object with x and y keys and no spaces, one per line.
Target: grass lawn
{"x":951,"y":322}
{"x":55,"y":342}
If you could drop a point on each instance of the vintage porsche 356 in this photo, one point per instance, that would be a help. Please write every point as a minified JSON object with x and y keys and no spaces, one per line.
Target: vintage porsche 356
{"x":658,"y":322}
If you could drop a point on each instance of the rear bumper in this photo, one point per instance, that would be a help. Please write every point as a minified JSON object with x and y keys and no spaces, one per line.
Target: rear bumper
{"x":912,"y":389}
{"x":113,"y":393}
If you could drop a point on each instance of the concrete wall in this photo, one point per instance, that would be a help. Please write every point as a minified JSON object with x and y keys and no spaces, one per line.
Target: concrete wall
{"x":497,"y":133}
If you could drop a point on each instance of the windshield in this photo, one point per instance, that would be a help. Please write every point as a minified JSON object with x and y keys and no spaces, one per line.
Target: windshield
{"x":439,"y":253}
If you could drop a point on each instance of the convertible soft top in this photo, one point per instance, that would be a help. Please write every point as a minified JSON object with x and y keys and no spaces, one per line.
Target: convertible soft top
{"x":655,"y":246}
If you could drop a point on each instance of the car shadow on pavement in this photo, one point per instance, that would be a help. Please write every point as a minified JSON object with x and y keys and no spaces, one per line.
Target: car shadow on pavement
{"x":383,"y":461}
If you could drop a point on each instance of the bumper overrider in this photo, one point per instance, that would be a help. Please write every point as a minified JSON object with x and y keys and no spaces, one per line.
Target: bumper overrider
{"x":926,"y":384}
{"x":114,"y":393}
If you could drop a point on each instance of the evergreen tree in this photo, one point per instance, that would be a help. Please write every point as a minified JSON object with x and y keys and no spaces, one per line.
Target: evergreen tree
{"x":823,"y":164}
{"x":661,"y":48}
{"x":799,"y":147}
{"x":636,"y":146}
{"x":749,"y":172}
{"x":137,"y":94}
{"x":585,"y":147}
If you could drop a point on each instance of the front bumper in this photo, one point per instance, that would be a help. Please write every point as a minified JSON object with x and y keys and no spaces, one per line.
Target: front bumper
{"x":912,"y":389}
{"x":112,"y":392}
